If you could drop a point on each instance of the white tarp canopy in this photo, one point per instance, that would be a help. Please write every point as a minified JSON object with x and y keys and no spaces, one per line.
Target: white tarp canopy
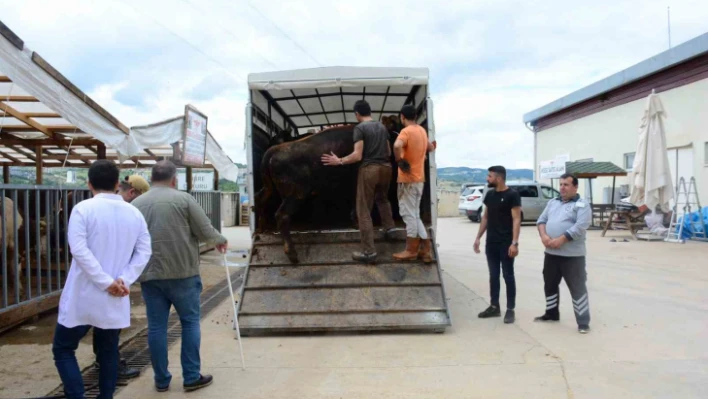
{"x":170,"y":131}
{"x":326,"y":96}
{"x":651,"y":174}
{"x":31,"y":79}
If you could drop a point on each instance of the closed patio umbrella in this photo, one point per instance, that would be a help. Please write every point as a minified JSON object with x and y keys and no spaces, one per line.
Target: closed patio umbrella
{"x":651,"y":175}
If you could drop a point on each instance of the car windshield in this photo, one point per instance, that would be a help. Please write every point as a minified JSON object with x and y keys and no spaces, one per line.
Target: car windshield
{"x":467,"y":191}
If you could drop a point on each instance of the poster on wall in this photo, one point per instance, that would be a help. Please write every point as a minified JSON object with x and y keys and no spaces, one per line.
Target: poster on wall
{"x":554,"y":169}
{"x":194,"y":137}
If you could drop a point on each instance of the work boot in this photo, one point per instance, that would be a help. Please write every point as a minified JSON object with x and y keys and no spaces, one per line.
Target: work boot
{"x":364,"y":257}
{"x":202,"y":382}
{"x":425,"y":253}
{"x":389,"y":235}
{"x":492,"y":311}
{"x":548,"y":317}
{"x":411,"y":251}
{"x":125,"y":372}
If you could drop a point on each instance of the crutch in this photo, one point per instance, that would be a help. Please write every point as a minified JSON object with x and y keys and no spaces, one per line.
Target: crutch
{"x":233,"y":303}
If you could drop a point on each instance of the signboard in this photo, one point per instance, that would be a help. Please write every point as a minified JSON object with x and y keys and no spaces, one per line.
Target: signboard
{"x":194,"y":137}
{"x":554,"y":169}
{"x":201,"y":180}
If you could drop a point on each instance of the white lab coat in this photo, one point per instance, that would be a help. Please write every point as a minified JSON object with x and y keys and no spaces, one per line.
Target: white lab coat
{"x":109,"y":239}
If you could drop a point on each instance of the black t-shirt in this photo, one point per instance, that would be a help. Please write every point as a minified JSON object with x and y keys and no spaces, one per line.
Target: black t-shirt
{"x":500,"y":224}
{"x":376,"y":145}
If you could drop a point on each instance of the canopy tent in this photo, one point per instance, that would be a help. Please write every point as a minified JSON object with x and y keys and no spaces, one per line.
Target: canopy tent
{"x":46,"y":120}
{"x":593,"y":170}
{"x":319,"y":97}
{"x":651,"y":180}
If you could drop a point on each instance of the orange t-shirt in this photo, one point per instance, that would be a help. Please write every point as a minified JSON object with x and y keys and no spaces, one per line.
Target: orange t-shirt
{"x":415,"y":147}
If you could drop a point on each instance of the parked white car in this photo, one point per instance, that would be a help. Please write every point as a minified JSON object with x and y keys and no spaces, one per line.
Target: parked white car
{"x":471,"y":202}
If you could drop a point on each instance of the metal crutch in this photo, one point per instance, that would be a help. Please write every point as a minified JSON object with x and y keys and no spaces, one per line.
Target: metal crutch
{"x":233,"y":303}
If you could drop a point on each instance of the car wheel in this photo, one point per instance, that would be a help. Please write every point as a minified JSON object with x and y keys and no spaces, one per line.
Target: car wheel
{"x":522,"y":217}
{"x":478,"y":219}
{"x":471,"y":218}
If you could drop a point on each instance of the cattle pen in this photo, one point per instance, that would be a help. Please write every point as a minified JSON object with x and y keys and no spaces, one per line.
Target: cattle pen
{"x":48,"y":123}
{"x":326,"y":291}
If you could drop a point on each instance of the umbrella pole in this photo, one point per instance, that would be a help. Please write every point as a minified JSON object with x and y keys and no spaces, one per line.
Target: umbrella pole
{"x":612,"y":199}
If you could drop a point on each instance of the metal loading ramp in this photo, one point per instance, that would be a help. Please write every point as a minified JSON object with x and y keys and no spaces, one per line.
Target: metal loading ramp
{"x":327,"y":291}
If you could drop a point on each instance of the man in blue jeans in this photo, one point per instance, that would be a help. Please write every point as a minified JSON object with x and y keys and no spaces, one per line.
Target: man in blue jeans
{"x":177,"y":224}
{"x":110,"y":246}
{"x":502,"y":222}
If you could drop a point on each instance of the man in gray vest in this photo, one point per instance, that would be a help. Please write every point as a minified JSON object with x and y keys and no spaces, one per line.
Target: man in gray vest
{"x":562,"y":227}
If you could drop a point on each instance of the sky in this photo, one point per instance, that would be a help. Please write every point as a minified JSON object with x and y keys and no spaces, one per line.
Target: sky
{"x":490,"y":61}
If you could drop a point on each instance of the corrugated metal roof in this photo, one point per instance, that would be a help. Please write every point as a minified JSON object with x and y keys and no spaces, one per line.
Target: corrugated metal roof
{"x":667,"y":59}
{"x":594,"y":169}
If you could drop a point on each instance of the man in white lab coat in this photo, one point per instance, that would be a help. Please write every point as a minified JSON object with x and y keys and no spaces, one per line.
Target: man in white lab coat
{"x":110,"y":245}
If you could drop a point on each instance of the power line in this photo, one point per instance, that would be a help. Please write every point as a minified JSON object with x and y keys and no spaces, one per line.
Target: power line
{"x":194,"y":47}
{"x":233,"y":35}
{"x":283,"y":32}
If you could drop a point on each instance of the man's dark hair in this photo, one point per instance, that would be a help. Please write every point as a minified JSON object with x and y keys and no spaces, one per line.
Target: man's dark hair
{"x":163,"y":171}
{"x":408,"y":112}
{"x":103,"y":175}
{"x":362,"y":108}
{"x":568,"y":175}
{"x":499,"y":170}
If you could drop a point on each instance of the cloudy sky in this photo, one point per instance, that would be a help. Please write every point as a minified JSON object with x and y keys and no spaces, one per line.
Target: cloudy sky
{"x":490,"y":61}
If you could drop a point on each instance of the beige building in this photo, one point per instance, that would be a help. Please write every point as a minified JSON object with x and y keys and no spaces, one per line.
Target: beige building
{"x":601,"y":122}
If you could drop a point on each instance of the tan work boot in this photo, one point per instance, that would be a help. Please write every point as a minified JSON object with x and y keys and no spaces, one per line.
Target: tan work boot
{"x":426,"y":251}
{"x":411,"y":252}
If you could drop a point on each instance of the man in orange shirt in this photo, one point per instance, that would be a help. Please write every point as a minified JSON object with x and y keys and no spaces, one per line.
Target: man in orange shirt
{"x":410,"y":148}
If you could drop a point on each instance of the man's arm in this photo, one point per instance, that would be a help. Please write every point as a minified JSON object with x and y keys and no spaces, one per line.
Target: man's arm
{"x":84,"y":258}
{"x":354,"y":157}
{"x":516,"y":229}
{"x":480,"y":233}
{"x":200,"y":225}
{"x":398,"y":149}
{"x":141,"y":256}
{"x":432,"y":146}
{"x":577,"y":230}
{"x":541,"y":223}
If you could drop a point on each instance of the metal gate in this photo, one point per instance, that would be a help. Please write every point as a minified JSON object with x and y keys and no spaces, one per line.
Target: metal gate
{"x":210,"y":201}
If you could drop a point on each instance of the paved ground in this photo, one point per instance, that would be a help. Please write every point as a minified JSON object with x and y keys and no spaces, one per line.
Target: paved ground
{"x":26,"y":365}
{"x":650,"y":322}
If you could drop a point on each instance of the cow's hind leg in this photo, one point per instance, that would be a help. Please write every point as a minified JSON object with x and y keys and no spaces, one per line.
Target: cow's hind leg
{"x":260,"y":206}
{"x":284,"y":215}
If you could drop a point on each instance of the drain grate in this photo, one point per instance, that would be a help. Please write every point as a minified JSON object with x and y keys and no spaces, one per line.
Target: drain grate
{"x":136,"y":352}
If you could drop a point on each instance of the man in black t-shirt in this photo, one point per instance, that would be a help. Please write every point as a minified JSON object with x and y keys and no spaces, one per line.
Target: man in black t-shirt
{"x":372,"y":148}
{"x":502,"y":222}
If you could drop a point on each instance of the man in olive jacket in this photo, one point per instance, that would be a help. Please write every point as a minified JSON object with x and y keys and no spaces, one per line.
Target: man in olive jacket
{"x":177,"y":224}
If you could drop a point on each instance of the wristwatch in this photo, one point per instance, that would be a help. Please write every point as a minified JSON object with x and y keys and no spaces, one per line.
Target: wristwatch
{"x":515,"y":243}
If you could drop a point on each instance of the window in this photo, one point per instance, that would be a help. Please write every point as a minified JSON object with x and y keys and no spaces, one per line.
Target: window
{"x":705,"y":154}
{"x":629,"y":160}
{"x":549,"y":193}
{"x":527,"y":191}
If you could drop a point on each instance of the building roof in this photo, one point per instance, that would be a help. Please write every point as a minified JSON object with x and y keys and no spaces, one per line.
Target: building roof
{"x":590,"y":170}
{"x":667,"y":59}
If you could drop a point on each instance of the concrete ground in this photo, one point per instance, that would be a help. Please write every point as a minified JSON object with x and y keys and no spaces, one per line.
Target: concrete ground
{"x":649,"y":320}
{"x":26,"y":365}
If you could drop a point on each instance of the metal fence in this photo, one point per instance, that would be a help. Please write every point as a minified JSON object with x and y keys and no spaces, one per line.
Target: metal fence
{"x":35,"y":256}
{"x":210,"y":201}
{"x":35,"y":251}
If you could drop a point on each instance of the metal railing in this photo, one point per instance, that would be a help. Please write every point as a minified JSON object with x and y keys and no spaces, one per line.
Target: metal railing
{"x":210,"y":201}
{"x":35,"y":251}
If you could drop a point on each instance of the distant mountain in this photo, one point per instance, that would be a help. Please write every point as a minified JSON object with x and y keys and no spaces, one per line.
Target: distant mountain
{"x":472,"y":175}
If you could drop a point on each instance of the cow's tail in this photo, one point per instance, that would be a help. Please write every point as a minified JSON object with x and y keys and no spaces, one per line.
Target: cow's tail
{"x":266,"y":192}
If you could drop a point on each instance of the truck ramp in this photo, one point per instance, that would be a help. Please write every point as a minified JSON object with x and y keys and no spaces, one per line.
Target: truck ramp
{"x":328,"y":291}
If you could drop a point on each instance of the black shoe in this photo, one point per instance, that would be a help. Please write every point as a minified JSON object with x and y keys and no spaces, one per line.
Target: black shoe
{"x":364,"y":257}
{"x":126,"y":372}
{"x":583,"y":328}
{"x":490,"y":312}
{"x":547,"y":317}
{"x":202,"y":382}
{"x":509,"y":317}
{"x":389,"y":234}
{"x":162,"y":389}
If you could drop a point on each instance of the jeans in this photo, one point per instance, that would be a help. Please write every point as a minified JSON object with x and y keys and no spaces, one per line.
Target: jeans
{"x":160,"y":296}
{"x":409,"y":196}
{"x":372,"y":187}
{"x":66,"y":340}
{"x":498,"y":260}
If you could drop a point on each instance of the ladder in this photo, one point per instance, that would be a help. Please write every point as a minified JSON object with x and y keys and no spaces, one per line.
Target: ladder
{"x":687,"y":200}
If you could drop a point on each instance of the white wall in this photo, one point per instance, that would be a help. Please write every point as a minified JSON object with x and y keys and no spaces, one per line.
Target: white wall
{"x":608,"y":135}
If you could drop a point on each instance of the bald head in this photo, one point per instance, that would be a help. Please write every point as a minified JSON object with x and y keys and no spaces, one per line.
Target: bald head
{"x":164,"y":172}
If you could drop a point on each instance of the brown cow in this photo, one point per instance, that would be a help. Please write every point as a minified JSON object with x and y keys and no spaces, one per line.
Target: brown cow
{"x":293,"y":172}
